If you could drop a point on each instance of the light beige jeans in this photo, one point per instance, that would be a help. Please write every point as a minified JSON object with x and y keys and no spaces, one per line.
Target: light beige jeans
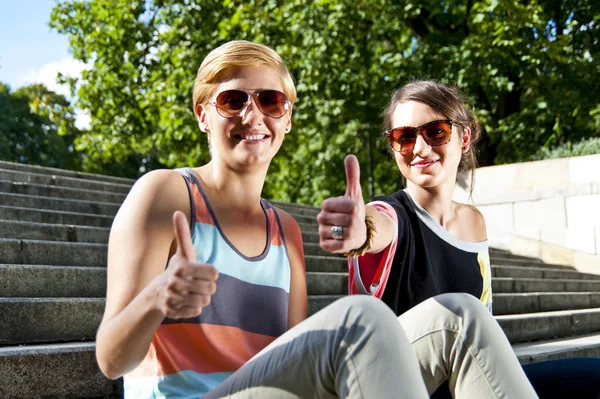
{"x":455,"y":338}
{"x":355,"y":348}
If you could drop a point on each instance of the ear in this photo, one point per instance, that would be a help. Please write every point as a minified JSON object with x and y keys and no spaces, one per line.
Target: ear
{"x":201,"y":115}
{"x":288,"y":125}
{"x":466,"y":140}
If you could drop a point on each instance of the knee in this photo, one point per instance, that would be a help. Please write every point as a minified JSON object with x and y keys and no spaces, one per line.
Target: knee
{"x":365,"y":307}
{"x":461,"y":303}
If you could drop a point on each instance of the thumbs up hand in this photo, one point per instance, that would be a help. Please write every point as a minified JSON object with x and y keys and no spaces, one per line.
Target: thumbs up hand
{"x":347,"y":212}
{"x":185,"y":287}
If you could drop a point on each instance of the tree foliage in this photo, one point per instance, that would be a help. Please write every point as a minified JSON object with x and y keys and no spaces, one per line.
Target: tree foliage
{"x":37,"y":126}
{"x":526,"y":67}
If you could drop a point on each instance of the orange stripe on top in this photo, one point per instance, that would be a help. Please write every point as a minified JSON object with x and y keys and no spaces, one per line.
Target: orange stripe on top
{"x":202,"y":213}
{"x":208,"y":349}
{"x":275,"y":233}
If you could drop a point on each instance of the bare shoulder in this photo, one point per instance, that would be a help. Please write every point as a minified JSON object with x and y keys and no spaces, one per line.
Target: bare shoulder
{"x":289,"y":224}
{"x":473,"y":221}
{"x":160,"y":191}
{"x":291,"y":230}
{"x":149,"y":206}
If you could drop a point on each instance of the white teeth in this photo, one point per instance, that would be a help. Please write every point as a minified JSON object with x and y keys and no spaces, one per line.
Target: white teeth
{"x":257,"y":137}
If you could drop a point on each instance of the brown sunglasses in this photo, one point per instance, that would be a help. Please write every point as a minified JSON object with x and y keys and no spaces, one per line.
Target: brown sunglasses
{"x":230,"y":103}
{"x":435,"y":133}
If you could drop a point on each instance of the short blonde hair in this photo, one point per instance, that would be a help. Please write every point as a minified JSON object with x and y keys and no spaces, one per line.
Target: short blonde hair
{"x":234,"y":54}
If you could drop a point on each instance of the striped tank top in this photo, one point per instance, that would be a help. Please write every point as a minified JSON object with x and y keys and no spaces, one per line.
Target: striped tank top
{"x":189,"y":357}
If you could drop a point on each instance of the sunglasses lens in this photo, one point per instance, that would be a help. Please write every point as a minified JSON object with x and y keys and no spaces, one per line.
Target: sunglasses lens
{"x":402,"y":139}
{"x":438,"y":133}
{"x":231,"y":102}
{"x":273,"y":103}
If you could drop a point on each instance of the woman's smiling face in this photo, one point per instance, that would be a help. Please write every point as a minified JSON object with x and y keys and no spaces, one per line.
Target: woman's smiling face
{"x":427,"y":166}
{"x":250,"y":138}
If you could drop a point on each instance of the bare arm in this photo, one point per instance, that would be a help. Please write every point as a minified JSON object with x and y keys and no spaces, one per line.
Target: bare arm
{"x":140,"y":293}
{"x":384,"y":230}
{"x":298,"y":305}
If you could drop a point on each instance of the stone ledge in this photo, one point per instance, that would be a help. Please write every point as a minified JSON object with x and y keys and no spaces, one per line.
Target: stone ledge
{"x":533,"y":352}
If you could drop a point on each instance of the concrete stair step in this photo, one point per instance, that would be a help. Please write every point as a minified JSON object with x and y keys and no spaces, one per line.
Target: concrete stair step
{"x":531,"y":263}
{"x":53,"y":232}
{"x":28,"y":320}
{"x":297,"y":209}
{"x":30,"y":214}
{"x":51,"y":320}
{"x":32,"y":252}
{"x":539,"y":351}
{"x":30,"y":281}
{"x":65,"y":370}
{"x":303,"y":219}
{"x":70,"y":369}
{"x":336,"y":284}
{"x":90,"y":281}
{"x":309,"y":227}
{"x":318,"y":302}
{"x":514,"y":258}
{"x":310,"y":237}
{"x":64,"y":181}
{"x":59,"y":253}
{"x":519,"y":285}
{"x":21,"y":167}
{"x":522,"y":327}
{"x":319,"y":283}
{"x":58,"y":204}
{"x":506,"y":304}
{"x":32,"y":320}
{"x":326,"y":264}
{"x":550,"y":325}
{"x":540,"y":272}
{"x":54,"y":217}
{"x":59,"y":192}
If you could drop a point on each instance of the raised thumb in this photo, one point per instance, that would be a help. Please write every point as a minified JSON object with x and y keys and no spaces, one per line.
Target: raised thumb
{"x":353,"y":189}
{"x":183,"y":237}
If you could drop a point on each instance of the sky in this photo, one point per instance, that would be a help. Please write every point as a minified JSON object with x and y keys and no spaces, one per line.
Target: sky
{"x":32,"y":53}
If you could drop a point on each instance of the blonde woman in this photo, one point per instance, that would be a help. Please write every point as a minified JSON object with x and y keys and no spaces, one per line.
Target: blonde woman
{"x":206,"y":287}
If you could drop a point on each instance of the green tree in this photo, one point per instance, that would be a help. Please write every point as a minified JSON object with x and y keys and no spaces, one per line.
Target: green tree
{"x":524,"y":68}
{"x":37,"y":126}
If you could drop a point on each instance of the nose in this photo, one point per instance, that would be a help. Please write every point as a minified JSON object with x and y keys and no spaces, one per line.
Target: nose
{"x":250,"y":111}
{"x":421,"y":146}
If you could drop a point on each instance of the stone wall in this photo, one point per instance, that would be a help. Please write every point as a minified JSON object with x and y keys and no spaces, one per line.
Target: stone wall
{"x":550,"y":208}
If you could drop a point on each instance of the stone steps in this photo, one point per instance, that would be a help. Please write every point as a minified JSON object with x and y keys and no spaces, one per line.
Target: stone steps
{"x":49,"y":216}
{"x":60,"y":192}
{"x":553,"y":349}
{"x":52,"y":281}
{"x":35,"y":169}
{"x":48,"y":320}
{"x":540,"y":272}
{"x":65,"y":370}
{"x":32,"y":252}
{"x":90,"y":282}
{"x":53,"y":232}
{"x":63,"y":181}
{"x":58,"y":204}
{"x":37,"y":320}
{"x":547,"y":325}
{"x":54,"y":226}
{"x":509,"y":284}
